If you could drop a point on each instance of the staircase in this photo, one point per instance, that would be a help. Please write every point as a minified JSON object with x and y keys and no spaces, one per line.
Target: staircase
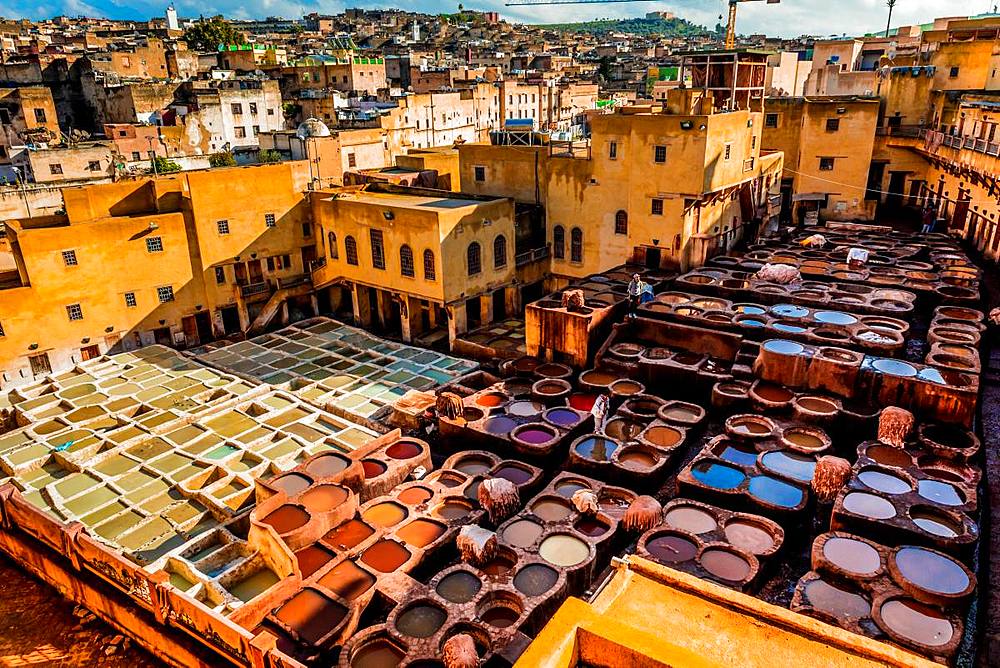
{"x":275,"y":302}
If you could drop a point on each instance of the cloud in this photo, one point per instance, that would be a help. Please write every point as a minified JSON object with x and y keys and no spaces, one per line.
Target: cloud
{"x":787,"y":19}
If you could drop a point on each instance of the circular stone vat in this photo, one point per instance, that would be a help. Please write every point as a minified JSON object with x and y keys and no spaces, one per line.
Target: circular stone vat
{"x":663,"y":436}
{"x":324,"y":498}
{"x":681,"y":413}
{"x":883,"y":481}
{"x":769,"y":393}
{"x":595,"y":448}
{"x":775,"y":492}
{"x":836,"y":602}
{"x":421,"y":532}
{"x":725,"y":564}
{"x":525,"y":365}
{"x":931,"y":571}
{"x":372,"y":468}
{"x":623,"y":429}
{"x":813,"y":406}
{"x":690,"y":518}
{"x":597,"y":379}
{"x":458,"y":587}
{"x":534,"y":434}
{"x":563,"y":418}
{"x":551,"y":509}
{"x":626,"y":387}
{"x":670,"y":548}
{"x":385,"y":514}
{"x":499,"y":425}
{"x":421,"y":619}
{"x":385,"y":556}
{"x":806,"y":439}
{"x":592,"y":527}
{"x":378,"y":653}
{"x":915,"y":622}
{"x":893,"y":367}
{"x":500,"y":609}
{"x":834,"y":318}
{"x":414,"y":496}
{"x":936,"y":522}
{"x":491,"y":400}
{"x":521,"y":533}
{"x":751,"y":536}
{"x":290,"y":483}
{"x":553,"y":370}
{"x":940,"y":492}
{"x":535,"y":579}
{"x":287,"y":518}
{"x":566,"y":488}
{"x":473,"y":464}
{"x":551,"y":389}
{"x":789,"y":464}
{"x":453,"y":509}
{"x":886,"y":455}
{"x":854,"y":556}
{"x":327,"y":464}
{"x":404,"y":449}
{"x":717,"y":476}
{"x":516,"y":473}
{"x":749,"y":426}
{"x":637,"y":457}
{"x":643,"y":406}
{"x":869,"y":505}
{"x":564,"y":550}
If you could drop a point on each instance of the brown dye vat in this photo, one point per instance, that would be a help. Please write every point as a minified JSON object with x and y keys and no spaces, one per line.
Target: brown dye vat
{"x":458,"y":587}
{"x":889,"y":456}
{"x":817,"y":405}
{"x":690,"y":518}
{"x":626,"y":387}
{"x":535,"y":579}
{"x":326,"y":465}
{"x":916,"y":622}
{"x":453,"y":509}
{"x":564,"y":550}
{"x":414,"y":496}
{"x":501,"y":564}
{"x":378,"y":653}
{"x":311,"y":615}
{"x":324,"y":498}
{"x":553,"y":370}
{"x":749,"y":426}
{"x":347,"y":580}
{"x":772,"y":393}
{"x":420,"y":620}
{"x":836,"y":602}
{"x":525,"y":365}
{"x":643,"y":406}
{"x":386,"y":514}
{"x":348,"y":535}
{"x":592,"y":527}
{"x":311,"y":559}
{"x":521,"y":533}
{"x":566,"y":488}
{"x":854,"y":556}
{"x":623,"y":429}
{"x":403,"y":450}
{"x":373,"y":468}
{"x":636,"y":458}
{"x":804,"y":439}
{"x":669,"y":548}
{"x":661,"y":436}
{"x":551,"y":509}
{"x":725,"y":564}
{"x":597,"y":379}
{"x":449,"y":479}
{"x":500,"y":611}
{"x":420,"y":532}
{"x":385,"y":556}
{"x":749,"y":536}
{"x":681,"y":413}
{"x":287,"y":518}
{"x":290,"y":483}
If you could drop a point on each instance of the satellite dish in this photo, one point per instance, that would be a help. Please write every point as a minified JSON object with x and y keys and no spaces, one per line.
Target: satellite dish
{"x":312,"y":127}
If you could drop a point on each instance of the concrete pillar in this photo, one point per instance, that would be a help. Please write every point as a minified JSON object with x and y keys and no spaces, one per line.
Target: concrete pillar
{"x":362,"y":307}
{"x":314,"y":301}
{"x":457,"y":324}
{"x":241,"y":308}
{"x":218,"y":327}
{"x":512,"y":299}
{"x":406,"y":308}
{"x":486,"y":308}
{"x":284,"y":312}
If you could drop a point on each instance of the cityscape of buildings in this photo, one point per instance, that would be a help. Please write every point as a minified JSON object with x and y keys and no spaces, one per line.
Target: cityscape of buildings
{"x":436,"y":180}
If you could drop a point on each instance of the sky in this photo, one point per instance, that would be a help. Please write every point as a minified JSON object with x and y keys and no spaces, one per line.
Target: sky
{"x":790,"y":18}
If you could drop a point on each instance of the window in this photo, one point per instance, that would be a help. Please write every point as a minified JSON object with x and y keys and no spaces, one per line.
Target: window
{"x":165,"y":293}
{"x":256,"y":130}
{"x":558,"y":242}
{"x":74,"y":312}
{"x":352,"y":160}
{"x":480,"y":173}
{"x":270,"y":112}
{"x":659,"y":154}
{"x":269,"y":220}
{"x":307,"y":229}
{"x":474,"y":256}
{"x":55,"y":168}
{"x":241,"y":132}
{"x":753,"y":141}
{"x":953,"y":73}
{"x":331,"y":243}
{"x":406,"y":261}
{"x":770,"y":120}
{"x":621,"y":222}
{"x":351,"y":249}
{"x":576,"y":245}
{"x":826,"y":164}
{"x":613,"y":150}
{"x":223,"y":226}
{"x":1,"y":331}
{"x":832,"y":124}
{"x":40,"y":113}
{"x":136,"y":155}
{"x":154,"y":244}
{"x":253,"y":108}
{"x":500,"y":252}
{"x":656,"y":207}
{"x":94,"y":166}
{"x":729,"y":151}
{"x":69,"y":258}
{"x":220,"y":273}
{"x":430,"y":273}
{"x":378,"y":250}
{"x":237,"y":108}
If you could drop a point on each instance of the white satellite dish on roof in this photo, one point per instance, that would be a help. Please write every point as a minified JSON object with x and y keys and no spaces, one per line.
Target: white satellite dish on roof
{"x":312,"y":127}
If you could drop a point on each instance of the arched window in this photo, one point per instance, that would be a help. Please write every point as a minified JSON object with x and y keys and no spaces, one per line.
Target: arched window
{"x":351,"y":249}
{"x":430,"y":273}
{"x":576,"y":245}
{"x":406,"y":261}
{"x":621,"y":222}
{"x":558,"y":242}
{"x":331,"y":242}
{"x":500,"y":252}
{"x":475,"y":258}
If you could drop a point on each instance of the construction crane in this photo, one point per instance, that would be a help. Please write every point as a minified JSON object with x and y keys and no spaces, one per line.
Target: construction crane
{"x":730,"y":26}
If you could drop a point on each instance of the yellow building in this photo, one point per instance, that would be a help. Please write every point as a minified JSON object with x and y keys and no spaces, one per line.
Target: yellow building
{"x":408,"y":261}
{"x":177,"y":260}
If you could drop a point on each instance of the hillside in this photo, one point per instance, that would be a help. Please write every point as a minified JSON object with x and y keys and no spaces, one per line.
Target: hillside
{"x":675,"y":27}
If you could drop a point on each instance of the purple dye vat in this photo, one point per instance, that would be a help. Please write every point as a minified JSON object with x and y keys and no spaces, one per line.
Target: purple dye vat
{"x":535,"y":436}
{"x":562,"y":417}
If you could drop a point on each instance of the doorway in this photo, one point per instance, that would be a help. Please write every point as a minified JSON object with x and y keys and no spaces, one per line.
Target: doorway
{"x":230,"y":319}
{"x":39,"y":364}
{"x":204,"y":322}
{"x":256,"y":271}
{"x":161,"y":335}
{"x":473,"y":314}
{"x":897,"y":183}
{"x":89,"y":353}
{"x":653,"y":258}
{"x":499,"y":305}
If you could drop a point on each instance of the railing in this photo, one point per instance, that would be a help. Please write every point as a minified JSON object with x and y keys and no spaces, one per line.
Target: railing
{"x":961,"y":143}
{"x":529,"y":256}
{"x":569,"y":149}
{"x":317,"y":264}
{"x":901,"y":131}
{"x":748,"y":165}
{"x":252,"y":289}
{"x":292,"y":281}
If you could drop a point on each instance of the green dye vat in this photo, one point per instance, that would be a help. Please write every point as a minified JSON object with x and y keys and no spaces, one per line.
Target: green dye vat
{"x":137,"y":537}
{"x":75,"y":483}
{"x":170,"y":462}
{"x":103,"y":514}
{"x":184,"y":512}
{"x":230,"y":424}
{"x":249,"y":588}
{"x":281,"y":449}
{"x":134,"y":481}
{"x":85,"y":503}
{"x":181,"y":582}
{"x":115,"y":527}
{"x":115,"y":465}
{"x":27,"y":454}
{"x":221,"y":452}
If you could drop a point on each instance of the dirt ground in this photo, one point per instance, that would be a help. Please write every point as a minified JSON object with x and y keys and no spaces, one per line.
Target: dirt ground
{"x":39,"y":628}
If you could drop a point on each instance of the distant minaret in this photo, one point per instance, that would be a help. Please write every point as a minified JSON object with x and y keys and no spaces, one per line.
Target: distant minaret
{"x":172,"y":23}
{"x":416,"y":31}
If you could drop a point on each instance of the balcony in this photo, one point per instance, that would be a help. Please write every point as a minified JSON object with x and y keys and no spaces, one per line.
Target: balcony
{"x":253,"y":289}
{"x":529,"y":256}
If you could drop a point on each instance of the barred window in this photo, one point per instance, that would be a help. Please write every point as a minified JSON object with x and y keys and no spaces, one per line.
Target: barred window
{"x":220,"y":274}
{"x":69,"y":258}
{"x":406,"y":261}
{"x":130,"y":300}
{"x":269,"y":219}
{"x":430,"y":272}
{"x":659,"y":154}
{"x":165,"y":293}
{"x":656,"y":207}
{"x":558,"y":242}
{"x":576,"y":245}
{"x":351,"y":248}
{"x":74,"y":312}
{"x":621,"y":222}
{"x":331,"y":242}
{"x":474,"y":255}
{"x":154,"y":244}
{"x":378,"y":250}
{"x":223,"y":226}
{"x":500,"y":252}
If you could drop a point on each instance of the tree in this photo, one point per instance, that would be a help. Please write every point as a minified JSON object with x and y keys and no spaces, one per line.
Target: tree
{"x":268,"y":156}
{"x":164,"y":165}
{"x":209,"y":35}
{"x":222,"y":159}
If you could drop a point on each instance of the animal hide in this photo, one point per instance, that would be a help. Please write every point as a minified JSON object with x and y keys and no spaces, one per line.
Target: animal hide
{"x":499,"y":498}
{"x":643,"y":514}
